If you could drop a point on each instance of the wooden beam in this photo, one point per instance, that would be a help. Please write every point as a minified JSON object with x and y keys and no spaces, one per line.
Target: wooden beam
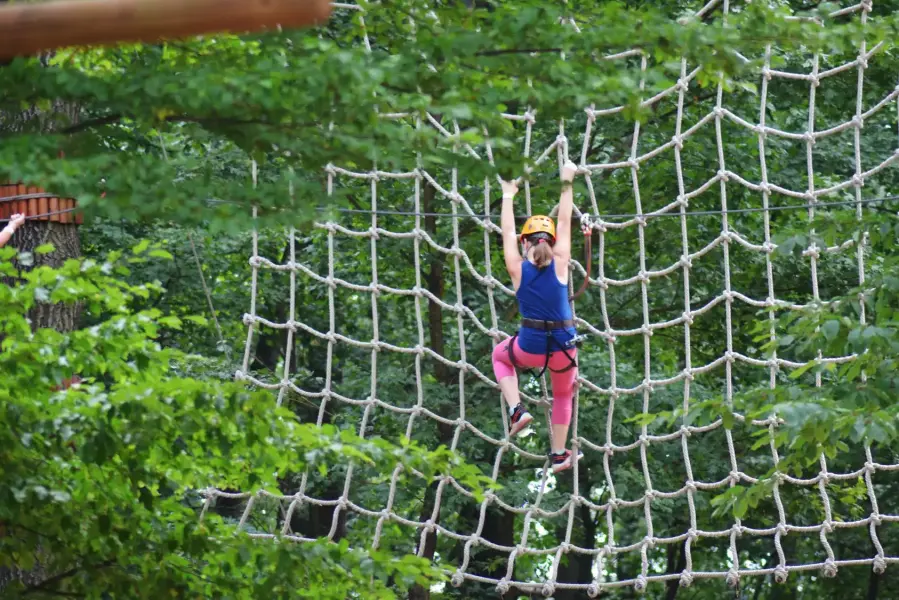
{"x":31,"y":28}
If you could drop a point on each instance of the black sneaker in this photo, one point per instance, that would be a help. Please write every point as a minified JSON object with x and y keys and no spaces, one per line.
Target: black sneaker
{"x":520,"y":419}
{"x":563,"y":461}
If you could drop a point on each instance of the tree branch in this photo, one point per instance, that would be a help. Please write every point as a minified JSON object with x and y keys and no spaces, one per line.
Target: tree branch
{"x":43,"y":586}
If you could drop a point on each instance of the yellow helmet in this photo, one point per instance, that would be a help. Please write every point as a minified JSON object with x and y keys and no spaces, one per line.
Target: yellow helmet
{"x":539,"y":224}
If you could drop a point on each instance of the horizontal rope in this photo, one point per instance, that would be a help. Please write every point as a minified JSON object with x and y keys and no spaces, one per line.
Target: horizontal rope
{"x":42,"y":215}
{"x":696,"y":213}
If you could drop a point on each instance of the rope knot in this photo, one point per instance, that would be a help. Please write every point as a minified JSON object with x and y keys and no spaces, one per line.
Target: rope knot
{"x":593,"y":590}
{"x":723,"y":176}
{"x":678,"y":142}
{"x":591,"y":114}
{"x":718,"y":111}
{"x":730,"y":357}
{"x":248,"y":319}
{"x":769,"y":248}
{"x":830,"y":568}
{"x":561,"y":140}
{"x":502,"y":587}
{"x":780,"y":574}
{"x":650,"y":495}
{"x":858,"y":180}
{"x":456,"y":197}
{"x":732,"y":578}
{"x":548,"y":589}
{"x":640,"y":583}
{"x":255,"y":261}
{"x":375,"y":345}
{"x":880,"y":565}
{"x":634,"y":164}
{"x":681,"y":85}
{"x":240,"y":375}
{"x":734,"y":478}
{"x":688,"y":372}
{"x":686,"y":262}
{"x":375,"y":289}
{"x":809,"y":138}
{"x":766,"y":73}
{"x":686,"y":432}
{"x":373,"y":233}
{"x":876,"y":520}
{"x":686,"y":579}
{"x":812,"y":251}
{"x":457,"y":579}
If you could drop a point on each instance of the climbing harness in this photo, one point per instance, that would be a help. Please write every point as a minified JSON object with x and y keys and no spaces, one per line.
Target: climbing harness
{"x":548,"y":327}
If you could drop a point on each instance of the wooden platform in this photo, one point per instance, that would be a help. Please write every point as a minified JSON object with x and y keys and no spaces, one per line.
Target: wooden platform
{"x":42,"y":207}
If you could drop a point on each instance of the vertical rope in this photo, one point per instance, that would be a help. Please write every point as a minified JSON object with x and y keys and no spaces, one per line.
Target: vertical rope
{"x":683,"y":85}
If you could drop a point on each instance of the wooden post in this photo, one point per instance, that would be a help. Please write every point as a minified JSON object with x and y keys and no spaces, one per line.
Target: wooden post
{"x":27,"y":29}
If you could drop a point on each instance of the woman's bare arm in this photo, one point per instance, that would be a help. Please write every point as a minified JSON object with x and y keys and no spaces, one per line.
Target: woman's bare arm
{"x":510,"y":236}
{"x":562,"y":247}
{"x":7,"y":232}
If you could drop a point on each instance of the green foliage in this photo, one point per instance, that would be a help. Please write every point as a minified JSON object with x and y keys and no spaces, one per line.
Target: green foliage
{"x":101,"y":484}
{"x":305,"y":100}
{"x":168,"y":131}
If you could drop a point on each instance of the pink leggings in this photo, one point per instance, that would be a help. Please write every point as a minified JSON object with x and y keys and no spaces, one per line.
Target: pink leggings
{"x":562,"y":383}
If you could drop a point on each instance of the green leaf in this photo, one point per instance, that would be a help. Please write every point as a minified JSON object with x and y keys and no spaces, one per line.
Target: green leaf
{"x":141,"y":247}
{"x":830,"y":329}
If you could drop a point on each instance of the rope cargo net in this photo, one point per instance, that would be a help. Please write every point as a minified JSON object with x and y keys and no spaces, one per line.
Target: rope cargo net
{"x":476,"y":385}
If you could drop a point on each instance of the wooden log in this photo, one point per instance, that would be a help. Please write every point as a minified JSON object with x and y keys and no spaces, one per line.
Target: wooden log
{"x":27,"y":29}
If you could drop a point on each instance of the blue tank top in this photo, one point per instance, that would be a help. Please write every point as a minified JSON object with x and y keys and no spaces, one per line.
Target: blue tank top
{"x":542,"y":296}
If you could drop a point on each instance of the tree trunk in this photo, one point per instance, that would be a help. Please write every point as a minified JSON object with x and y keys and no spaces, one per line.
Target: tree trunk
{"x":677,"y":562}
{"x":64,"y":237}
{"x":576,"y":567}
{"x":873,"y":585}
{"x":67,"y":244}
{"x":442,"y":373}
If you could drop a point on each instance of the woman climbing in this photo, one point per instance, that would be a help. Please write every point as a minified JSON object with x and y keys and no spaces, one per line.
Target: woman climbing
{"x":546,"y":338}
